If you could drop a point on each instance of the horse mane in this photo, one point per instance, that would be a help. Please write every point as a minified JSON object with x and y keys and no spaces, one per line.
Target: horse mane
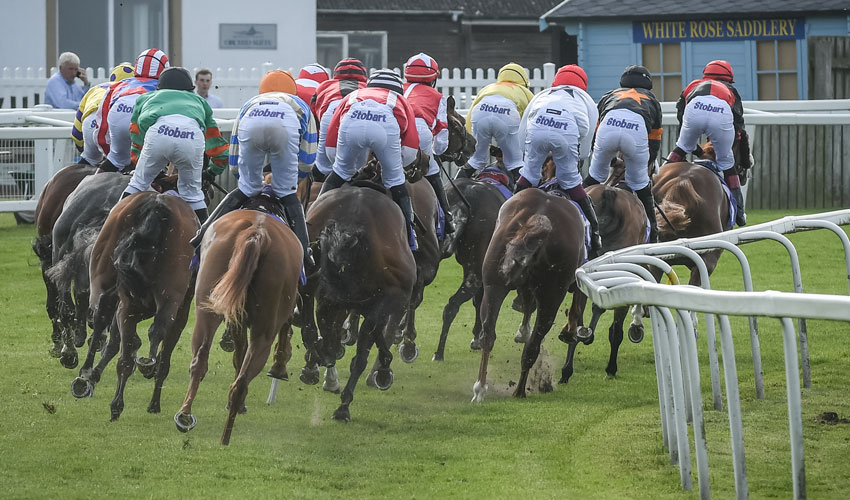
{"x":134,"y":253}
{"x":229,"y":295}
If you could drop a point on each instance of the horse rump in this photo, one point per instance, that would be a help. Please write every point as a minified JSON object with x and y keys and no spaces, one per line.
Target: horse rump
{"x":227,"y":298}
{"x":134,"y":253}
{"x":673,"y":205}
{"x":522,"y":247}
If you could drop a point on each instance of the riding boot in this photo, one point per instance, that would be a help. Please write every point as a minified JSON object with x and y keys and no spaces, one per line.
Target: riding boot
{"x":202,"y":214}
{"x":106,"y":166}
{"x":332,"y":181}
{"x":317,"y":175}
{"x":734,"y":183}
{"x":521,"y":184}
{"x":465,"y":172}
{"x":401,"y":197}
{"x":437,"y":184}
{"x":124,"y":195}
{"x":586,"y":205}
{"x":645,"y":197}
{"x":295,"y":214}
{"x":589,"y":181}
{"x":677,"y":155}
{"x":229,"y":203}
{"x":515,"y":175}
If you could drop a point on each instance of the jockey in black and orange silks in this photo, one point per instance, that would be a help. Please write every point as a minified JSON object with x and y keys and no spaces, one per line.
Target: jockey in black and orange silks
{"x":629,"y":124}
{"x":712,"y":106}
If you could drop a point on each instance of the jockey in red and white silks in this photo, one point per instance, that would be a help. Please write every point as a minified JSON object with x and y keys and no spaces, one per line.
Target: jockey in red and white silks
{"x":309,"y":79}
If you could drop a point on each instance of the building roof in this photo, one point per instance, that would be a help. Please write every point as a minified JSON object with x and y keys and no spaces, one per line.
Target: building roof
{"x":573,"y":9}
{"x":468,"y":9}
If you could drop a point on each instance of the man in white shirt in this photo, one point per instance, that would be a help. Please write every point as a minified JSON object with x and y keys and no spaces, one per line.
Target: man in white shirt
{"x":203,"y":82}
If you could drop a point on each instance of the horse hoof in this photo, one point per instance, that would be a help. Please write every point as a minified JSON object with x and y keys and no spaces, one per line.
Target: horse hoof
{"x":226,"y":344}
{"x":69,"y":361}
{"x":342,"y":414}
{"x":475,"y":344}
{"x":309,"y":376}
{"x":154,"y":408}
{"x":56,"y":350}
{"x":278,"y":373}
{"x":185,"y":421}
{"x":478,"y":392}
{"x":82,"y":388}
{"x":340,"y":352}
{"x":147,"y":366}
{"x":564,"y":380}
{"x":584,"y":335}
{"x":79,"y":340}
{"x":115,"y":413}
{"x":438,"y":356}
{"x":384,"y":379}
{"x":331,"y":387}
{"x":370,"y":380}
{"x":636,"y":334}
{"x":409,"y":351}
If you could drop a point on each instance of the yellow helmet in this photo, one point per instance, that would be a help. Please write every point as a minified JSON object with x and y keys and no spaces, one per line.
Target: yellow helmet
{"x":120,"y":72}
{"x":514,"y":73}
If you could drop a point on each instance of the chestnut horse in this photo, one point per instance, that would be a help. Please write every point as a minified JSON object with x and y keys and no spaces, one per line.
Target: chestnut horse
{"x":140,"y":269}
{"x":248,"y":277}
{"x":48,"y":209}
{"x":536,"y":248}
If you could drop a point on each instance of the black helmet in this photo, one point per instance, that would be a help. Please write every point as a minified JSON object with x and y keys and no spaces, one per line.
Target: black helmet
{"x":175,"y":78}
{"x":635,"y":77}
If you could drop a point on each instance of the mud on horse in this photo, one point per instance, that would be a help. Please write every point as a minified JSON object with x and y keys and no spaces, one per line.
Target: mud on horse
{"x":140,"y":269}
{"x":248,"y":277}
{"x":536,"y":248}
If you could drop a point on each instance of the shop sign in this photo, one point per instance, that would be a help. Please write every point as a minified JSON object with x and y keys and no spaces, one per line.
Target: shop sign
{"x":698,"y":30}
{"x":247,"y":36}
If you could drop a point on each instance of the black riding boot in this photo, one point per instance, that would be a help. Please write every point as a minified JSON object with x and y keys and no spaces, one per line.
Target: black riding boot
{"x":437,"y":184}
{"x":677,"y":155}
{"x":106,"y":166}
{"x":317,"y":175}
{"x":465,"y":172}
{"x":586,"y":205}
{"x":401,"y":197}
{"x":202,"y":214}
{"x":645,"y":197}
{"x":741,"y":216}
{"x":295,"y":214}
{"x":588,"y":181}
{"x":229,"y":203}
{"x":332,"y":181}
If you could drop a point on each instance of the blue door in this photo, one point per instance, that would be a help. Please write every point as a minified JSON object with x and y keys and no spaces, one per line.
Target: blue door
{"x":738,"y":53}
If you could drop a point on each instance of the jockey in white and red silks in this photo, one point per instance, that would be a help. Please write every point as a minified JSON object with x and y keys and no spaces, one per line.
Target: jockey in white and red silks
{"x":379,"y":119}
{"x":349,"y":75}
{"x":712,"y":106}
{"x":429,"y":107}
{"x":309,"y":79}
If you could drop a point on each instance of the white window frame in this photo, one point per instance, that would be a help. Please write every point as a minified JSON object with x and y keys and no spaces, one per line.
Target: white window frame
{"x":345,"y":34}
{"x":110,"y":16}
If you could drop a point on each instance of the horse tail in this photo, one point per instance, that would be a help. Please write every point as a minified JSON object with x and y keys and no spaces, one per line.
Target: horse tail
{"x":43,"y":247}
{"x":134,"y":253}
{"x":673,"y":206}
{"x":611,"y":220}
{"x":227,"y":298}
{"x":521,"y":248}
{"x":71,"y":260}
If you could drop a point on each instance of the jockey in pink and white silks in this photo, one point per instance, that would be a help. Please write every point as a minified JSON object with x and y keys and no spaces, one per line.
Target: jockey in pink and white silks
{"x":429,"y":107}
{"x":495,"y":116}
{"x":560,"y":120}
{"x":379,"y":119}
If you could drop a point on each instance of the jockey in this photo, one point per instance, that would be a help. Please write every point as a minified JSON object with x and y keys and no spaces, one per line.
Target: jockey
{"x":712,"y":106}
{"x":279,"y":124}
{"x":85,"y":127}
{"x":429,"y":107}
{"x":633,"y":128}
{"x":117,"y":108}
{"x":376,"y":118}
{"x":495,"y":115}
{"x":309,"y":79}
{"x":173,"y":124}
{"x":349,"y":75}
{"x":560,"y":120}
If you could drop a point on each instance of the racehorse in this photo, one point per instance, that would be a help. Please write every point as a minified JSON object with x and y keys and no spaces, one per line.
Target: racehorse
{"x":74,"y":233}
{"x":248,"y":277}
{"x":48,"y":209}
{"x":536,"y":248}
{"x":140,"y":269}
{"x":365,"y":266}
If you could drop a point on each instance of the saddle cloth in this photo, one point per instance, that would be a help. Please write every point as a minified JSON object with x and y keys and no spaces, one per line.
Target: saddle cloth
{"x":498,"y":178}
{"x":551,"y":187}
{"x":733,"y":206}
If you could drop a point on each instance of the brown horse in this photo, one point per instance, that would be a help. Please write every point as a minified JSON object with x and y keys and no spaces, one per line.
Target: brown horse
{"x":48,"y":209}
{"x":536,"y":248}
{"x":140,"y":269}
{"x":365,"y":266}
{"x":248,"y":277}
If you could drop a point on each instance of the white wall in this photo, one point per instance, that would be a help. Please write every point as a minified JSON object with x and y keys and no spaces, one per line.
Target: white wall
{"x":23,"y":34}
{"x":296,"y":33}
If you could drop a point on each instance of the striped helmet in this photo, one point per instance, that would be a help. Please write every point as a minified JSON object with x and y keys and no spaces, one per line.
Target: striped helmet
{"x":150,"y":63}
{"x":315,"y":72}
{"x":386,"y":79}
{"x":421,"y":68}
{"x":120,"y":72}
{"x":350,"y":69}
{"x":719,"y":70}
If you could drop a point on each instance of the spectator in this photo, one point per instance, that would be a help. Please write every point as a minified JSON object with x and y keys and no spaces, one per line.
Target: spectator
{"x":203,"y":82}
{"x":62,"y":92}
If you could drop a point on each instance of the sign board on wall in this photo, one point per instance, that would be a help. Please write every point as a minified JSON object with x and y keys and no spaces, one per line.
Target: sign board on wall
{"x":718,"y":30}
{"x":247,"y":36}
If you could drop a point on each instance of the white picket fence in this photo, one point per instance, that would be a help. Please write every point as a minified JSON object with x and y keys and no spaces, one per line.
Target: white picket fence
{"x":24,"y":87}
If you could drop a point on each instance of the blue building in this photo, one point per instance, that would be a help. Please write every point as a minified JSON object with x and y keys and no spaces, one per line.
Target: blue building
{"x":769,"y":43}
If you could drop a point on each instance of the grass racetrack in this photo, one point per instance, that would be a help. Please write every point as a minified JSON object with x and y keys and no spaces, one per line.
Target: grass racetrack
{"x":592,"y":438}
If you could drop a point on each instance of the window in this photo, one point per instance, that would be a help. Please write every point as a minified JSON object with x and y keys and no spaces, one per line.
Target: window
{"x":664,"y":61}
{"x":777,"y":69}
{"x":368,"y":46}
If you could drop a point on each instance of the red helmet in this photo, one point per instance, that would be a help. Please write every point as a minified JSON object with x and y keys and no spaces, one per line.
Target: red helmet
{"x":719,"y":70}
{"x":421,"y":68}
{"x":571,"y":74}
{"x":150,"y":63}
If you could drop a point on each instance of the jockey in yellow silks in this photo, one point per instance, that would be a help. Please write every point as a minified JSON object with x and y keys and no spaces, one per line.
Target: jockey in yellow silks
{"x":86,"y":124}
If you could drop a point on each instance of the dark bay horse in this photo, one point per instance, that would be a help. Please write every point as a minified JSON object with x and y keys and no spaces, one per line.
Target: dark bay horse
{"x":365,"y":266}
{"x":140,"y":269}
{"x":248,"y":277}
{"x":536,"y":248}
{"x":47,"y":211}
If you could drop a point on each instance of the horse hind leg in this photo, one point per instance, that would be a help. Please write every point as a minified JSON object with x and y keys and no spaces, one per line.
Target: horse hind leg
{"x":547,"y":309}
{"x":163,"y":365}
{"x":615,"y":337}
{"x":52,"y":306}
{"x":255,"y":359}
{"x":81,"y":305}
{"x":165,"y":316}
{"x":206,"y":323}
{"x":126,"y":365}
{"x":282,"y":354}
{"x":461,"y":296}
{"x":368,"y":333}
